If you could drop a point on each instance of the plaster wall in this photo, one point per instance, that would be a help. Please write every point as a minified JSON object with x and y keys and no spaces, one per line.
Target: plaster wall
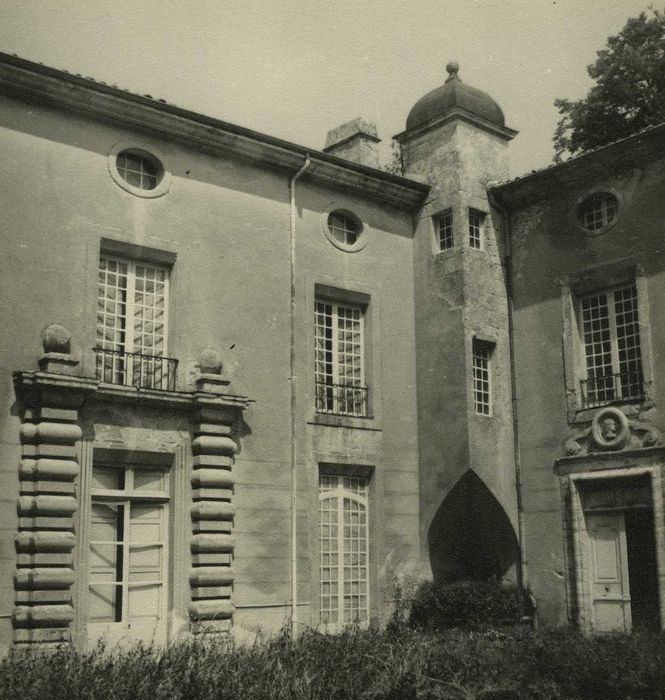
{"x":227,"y":222}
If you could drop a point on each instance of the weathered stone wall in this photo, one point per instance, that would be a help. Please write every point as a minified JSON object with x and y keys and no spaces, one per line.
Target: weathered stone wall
{"x":551,"y":253}
{"x":460,"y":294}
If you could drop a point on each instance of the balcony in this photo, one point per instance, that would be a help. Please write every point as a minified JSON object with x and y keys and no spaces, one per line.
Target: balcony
{"x":342,"y":399}
{"x":612,"y":388}
{"x":135,"y":369}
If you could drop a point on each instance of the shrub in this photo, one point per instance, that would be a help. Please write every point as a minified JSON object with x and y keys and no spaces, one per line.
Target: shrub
{"x":469,"y":604}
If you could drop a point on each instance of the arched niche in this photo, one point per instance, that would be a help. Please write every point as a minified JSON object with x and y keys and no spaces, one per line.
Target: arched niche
{"x":471,"y":537}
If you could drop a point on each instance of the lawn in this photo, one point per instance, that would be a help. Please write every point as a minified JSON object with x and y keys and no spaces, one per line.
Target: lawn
{"x":401,"y":663}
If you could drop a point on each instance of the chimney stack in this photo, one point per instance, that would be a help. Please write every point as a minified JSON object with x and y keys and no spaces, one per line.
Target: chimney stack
{"x":356,"y":140}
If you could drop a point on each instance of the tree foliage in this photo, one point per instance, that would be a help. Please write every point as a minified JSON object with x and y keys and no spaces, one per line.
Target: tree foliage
{"x":629,"y":94}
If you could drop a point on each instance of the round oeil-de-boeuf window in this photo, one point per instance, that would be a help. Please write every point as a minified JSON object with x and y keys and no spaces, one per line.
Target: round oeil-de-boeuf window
{"x":597,"y":213}
{"x":344,"y":229}
{"x":138,"y":171}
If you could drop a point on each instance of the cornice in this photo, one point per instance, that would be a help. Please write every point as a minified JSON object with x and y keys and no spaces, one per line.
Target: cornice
{"x":457,"y":114}
{"x":600,"y":163}
{"x":36,"y":83}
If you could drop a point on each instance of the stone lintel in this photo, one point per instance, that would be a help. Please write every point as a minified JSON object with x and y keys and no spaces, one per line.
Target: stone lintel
{"x":617,"y":459}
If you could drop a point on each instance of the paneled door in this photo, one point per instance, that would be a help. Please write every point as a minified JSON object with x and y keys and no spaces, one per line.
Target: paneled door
{"x":608,"y":572}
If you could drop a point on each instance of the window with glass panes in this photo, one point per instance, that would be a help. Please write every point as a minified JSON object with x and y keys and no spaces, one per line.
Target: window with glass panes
{"x":476,"y":222}
{"x":344,"y":550}
{"x":138,"y":170}
{"x":444,"y":225}
{"x":338,"y":358}
{"x":344,"y":228}
{"x":610,"y":332}
{"x":132,"y":299}
{"x":482,"y":386}
{"x":128,"y":529}
{"x":598,"y":211}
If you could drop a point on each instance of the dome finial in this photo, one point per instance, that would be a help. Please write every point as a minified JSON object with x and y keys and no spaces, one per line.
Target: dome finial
{"x":452,"y":68}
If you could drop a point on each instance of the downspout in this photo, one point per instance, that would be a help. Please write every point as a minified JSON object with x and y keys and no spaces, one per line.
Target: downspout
{"x":294,"y":453}
{"x":505,"y":221}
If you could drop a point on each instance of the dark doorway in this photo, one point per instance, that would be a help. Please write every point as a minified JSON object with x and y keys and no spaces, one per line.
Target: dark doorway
{"x":642,"y":569}
{"x":471,"y":537}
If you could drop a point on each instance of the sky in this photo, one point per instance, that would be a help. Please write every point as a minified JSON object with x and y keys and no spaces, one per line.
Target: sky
{"x":296,"y":68}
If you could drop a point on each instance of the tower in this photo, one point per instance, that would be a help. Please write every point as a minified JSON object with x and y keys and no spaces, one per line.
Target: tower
{"x":456,"y":140}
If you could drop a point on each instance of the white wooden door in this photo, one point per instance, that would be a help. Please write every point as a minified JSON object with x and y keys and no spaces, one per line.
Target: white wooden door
{"x":608,"y":569}
{"x":128,"y":578}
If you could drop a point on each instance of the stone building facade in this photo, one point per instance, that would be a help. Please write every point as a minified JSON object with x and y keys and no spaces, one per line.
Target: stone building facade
{"x":246,"y":383}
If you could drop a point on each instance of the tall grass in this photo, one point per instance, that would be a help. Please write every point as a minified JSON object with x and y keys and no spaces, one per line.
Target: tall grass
{"x":404,"y":663}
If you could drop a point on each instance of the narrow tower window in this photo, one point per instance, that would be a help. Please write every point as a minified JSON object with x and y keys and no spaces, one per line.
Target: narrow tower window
{"x":482,"y":384}
{"x":476,"y":226}
{"x":444,"y":228}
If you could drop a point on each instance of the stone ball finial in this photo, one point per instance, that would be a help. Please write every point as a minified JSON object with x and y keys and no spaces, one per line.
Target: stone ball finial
{"x":453,"y":69}
{"x":210,"y":361}
{"x":56,"y":338}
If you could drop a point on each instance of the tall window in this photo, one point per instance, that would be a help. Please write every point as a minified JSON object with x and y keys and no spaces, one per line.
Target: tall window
{"x":128,"y":548}
{"x":338,"y":357}
{"x":132,"y":300}
{"x":476,"y":225}
{"x":610,"y":331}
{"x":482,"y":379}
{"x":344,"y":550}
{"x":444,"y":227}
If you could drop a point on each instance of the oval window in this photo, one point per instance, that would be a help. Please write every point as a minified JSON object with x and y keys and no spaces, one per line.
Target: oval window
{"x":597,"y":212}
{"x":344,"y":228}
{"x":139,"y":169}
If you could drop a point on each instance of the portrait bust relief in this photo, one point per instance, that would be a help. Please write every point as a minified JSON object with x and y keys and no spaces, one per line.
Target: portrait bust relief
{"x":609,"y":429}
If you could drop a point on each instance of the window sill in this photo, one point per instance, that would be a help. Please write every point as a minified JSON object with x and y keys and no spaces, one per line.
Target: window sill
{"x":340,"y":421}
{"x":631,"y":407}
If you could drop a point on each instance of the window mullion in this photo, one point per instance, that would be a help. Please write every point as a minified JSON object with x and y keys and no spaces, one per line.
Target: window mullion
{"x":335,"y":343}
{"x":340,"y":553}
{"x":125,"y":563}
{"x":129,"y":315}
{"x":361,"y":344}
{"x":614,"y":341}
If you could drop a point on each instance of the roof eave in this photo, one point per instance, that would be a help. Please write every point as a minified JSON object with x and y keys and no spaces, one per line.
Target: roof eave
{"x":632,"y":151}
{"x":37,"y":83}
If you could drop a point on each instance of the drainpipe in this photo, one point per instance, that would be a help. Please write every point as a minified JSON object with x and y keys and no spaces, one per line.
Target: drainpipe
{"x":292,"y":321}
{"x":505,"y":221}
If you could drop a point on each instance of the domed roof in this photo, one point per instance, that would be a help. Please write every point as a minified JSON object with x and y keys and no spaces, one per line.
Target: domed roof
{"x":454,"y":94}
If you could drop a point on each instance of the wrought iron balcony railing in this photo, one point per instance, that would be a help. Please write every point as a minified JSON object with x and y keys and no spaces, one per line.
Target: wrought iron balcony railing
{"x":136,"y":369}
{"x":611,"y":388}
{"x":342,"y":399}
